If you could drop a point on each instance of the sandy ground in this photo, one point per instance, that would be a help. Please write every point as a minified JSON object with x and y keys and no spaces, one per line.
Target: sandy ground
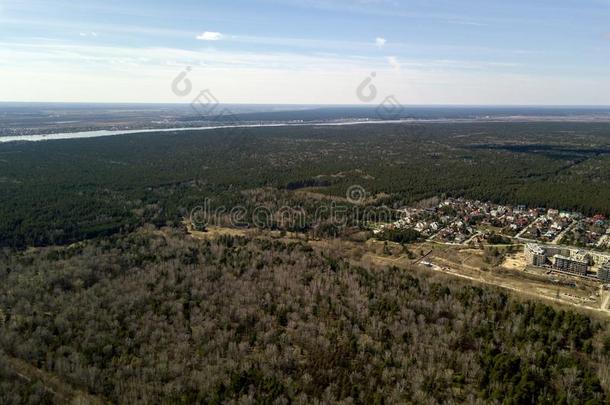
{"x":515,"y":261}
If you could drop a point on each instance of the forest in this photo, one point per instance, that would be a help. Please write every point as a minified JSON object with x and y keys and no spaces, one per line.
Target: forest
{"x":61,"y":192}
{"x":106,"y":298}
{"x":153,"y":316}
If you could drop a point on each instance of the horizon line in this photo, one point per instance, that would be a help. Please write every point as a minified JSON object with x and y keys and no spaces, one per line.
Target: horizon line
{"x":316,"y":105}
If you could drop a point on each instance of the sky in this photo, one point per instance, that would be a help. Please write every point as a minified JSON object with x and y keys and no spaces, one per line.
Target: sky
{"x":477,"y":52}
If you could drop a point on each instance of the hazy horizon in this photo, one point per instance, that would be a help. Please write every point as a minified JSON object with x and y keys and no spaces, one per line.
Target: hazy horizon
{"x":331,"y":105}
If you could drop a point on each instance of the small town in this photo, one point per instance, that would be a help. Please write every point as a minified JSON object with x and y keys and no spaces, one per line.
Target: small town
{"x":562,"y":242}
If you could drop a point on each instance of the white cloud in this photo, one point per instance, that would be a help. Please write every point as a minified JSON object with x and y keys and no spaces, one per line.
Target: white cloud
{"x":393,"y":61}
{"x":210,"y":36}
{"x":88,"y":34}
{"x":380,"y":42}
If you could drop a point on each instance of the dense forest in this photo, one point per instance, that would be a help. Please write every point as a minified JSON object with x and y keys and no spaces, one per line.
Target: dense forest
{"x":104,"y":296}
{"x":64,"y":191}
{"x":153,"y":316}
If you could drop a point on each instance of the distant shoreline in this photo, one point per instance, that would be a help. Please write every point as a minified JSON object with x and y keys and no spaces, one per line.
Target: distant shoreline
{"x":106,"y":133}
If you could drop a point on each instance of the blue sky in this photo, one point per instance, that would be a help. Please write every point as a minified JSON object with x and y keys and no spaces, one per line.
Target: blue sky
{"x":307,"y":51}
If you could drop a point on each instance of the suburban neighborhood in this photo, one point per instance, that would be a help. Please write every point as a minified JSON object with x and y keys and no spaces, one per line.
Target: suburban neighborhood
{"x":559,"y":241}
